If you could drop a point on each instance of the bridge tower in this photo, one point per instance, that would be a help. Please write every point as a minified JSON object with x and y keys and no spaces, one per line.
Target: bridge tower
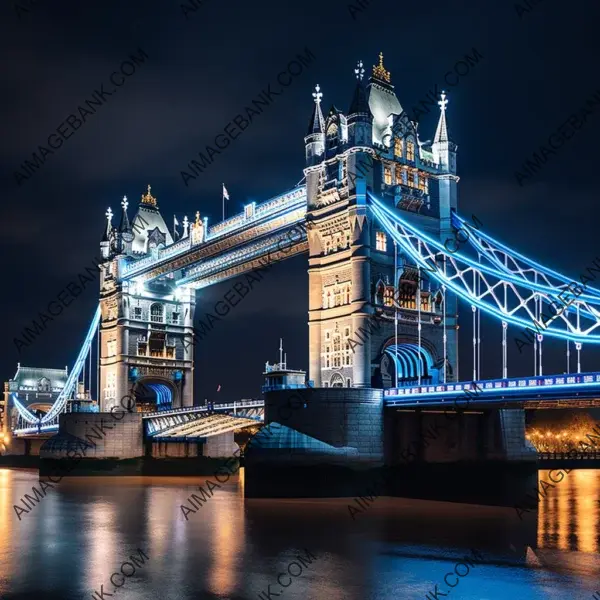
{"x":143,"y":325}
{"x":364,"y":294}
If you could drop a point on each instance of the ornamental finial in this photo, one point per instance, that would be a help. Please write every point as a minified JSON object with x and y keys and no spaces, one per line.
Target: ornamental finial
{"x":124,"y":203}
{"x":198,"y":222}
{"x":443,"y":102}
{"x":109,"y":215}
{"x":317,"y":95}
{"x":359,"y":71}
{"x":379,"y":71}
{"x":149,"y":198}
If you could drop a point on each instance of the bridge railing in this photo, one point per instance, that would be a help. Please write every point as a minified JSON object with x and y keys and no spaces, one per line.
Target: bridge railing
{"x":592,"y":455}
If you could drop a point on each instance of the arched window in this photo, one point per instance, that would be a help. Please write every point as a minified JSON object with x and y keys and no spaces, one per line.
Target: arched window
{"x":348,"y":294}
{"x":379,"y":293}
{"x":407,"y":297}
{"x":157,"y":313}
{"x":398,"y":147}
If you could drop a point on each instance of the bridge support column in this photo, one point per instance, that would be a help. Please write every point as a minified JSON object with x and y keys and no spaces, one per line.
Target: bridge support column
{"x":476,"y":456}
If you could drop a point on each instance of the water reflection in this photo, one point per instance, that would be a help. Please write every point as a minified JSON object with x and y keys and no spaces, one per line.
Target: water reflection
{"x":569,"y":513}
{"x":231,"y":548}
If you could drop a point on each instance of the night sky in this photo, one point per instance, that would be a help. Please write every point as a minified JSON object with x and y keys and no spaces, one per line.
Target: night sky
{"x":539,"y":66}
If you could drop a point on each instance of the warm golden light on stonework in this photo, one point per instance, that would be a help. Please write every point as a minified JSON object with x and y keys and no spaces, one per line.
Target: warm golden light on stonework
{"x":149,"y":198}
{"x":379,"y":71}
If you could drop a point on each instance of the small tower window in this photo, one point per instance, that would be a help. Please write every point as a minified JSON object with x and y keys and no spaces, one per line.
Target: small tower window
{"x":387,"y":175}
{"x":379,"y":293}
{"x":137,"y":313}
{"x":410,"y":151}
{"x":380,"y":241}
{"x":156,"y":313}
{"x":398,"y":147}
{"x":422,"y":182}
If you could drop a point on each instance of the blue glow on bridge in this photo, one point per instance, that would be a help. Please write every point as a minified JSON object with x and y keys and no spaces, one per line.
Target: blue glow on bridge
{"x":538,"y":388}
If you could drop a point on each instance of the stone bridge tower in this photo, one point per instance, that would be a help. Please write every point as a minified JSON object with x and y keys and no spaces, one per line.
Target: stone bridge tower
{"x":364,"y":293}
{"x":143,"y":325}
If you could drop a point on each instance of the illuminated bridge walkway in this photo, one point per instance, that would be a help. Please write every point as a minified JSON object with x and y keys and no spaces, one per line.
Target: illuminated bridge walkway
{"x":197,"y":423}
{"x":581,"y":390}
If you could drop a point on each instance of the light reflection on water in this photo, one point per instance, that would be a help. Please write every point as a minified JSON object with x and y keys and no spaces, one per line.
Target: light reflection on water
{"x":232,"y":548}
{"x":568,"y":514}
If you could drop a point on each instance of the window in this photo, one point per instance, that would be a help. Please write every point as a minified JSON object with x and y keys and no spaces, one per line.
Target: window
{"x":338,"y":297}
{"x":156,"y":313}
{"x":43,"y":385}
{"x":111,"y":348}
{"x":388,"y":296}
{"x":410,"y":151}
{"x":137,"y":313}
{"x":342,"y":173}
{"x":422,"y":184}
{"x":380,"y":241}
{"x":398,"y":148}
{"x":337,"y":343}
{"x":175,"y":316}
{"x":327,"y":336}
{"x":347,"y":334}
{"x":348,"y":382}
{"x":379,"y":293}
{"x":415,"y":180}
{"x":387,"y":175}
{"x":347,"y":294}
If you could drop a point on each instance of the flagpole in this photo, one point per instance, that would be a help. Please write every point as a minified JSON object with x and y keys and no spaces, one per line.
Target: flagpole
{"x":223,"y":201}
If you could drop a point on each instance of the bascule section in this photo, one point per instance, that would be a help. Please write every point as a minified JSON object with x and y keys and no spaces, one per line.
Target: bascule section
{"x":144,"y":324}
{"x":375,"y":318}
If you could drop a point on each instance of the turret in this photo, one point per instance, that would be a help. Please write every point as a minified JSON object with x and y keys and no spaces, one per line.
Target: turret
{"x":444,"y":150}
{"x":107,"y":236}
{"x":125,"y":235}
{"x":359,"y":115}
{"x":315,"y":139}
{"x":444,"y":154}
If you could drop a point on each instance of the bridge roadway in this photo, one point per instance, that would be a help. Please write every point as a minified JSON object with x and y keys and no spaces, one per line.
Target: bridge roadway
{"x":577,"y":390}
{"x":200,"y":422}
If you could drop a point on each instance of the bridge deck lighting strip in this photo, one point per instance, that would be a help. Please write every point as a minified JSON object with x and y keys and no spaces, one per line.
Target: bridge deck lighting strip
{"x":497,"y":386}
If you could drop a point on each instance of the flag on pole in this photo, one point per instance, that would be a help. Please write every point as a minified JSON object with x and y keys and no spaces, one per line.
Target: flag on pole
{"x":225,"y":193}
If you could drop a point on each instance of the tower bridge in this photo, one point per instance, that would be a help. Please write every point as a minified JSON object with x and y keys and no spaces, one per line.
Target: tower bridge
{"x":374,"y":216}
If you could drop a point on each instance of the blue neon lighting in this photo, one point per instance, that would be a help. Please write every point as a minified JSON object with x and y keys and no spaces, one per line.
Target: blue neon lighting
{"x":489,"y":387}
{"x":465,"y":294}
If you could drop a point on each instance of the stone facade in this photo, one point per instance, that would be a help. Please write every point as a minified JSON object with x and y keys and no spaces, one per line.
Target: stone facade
{"x":355,"y":269}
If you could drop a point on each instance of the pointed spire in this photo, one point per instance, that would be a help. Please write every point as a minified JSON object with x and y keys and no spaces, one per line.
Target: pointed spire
{"x":441,"y":133}
{"x":316,"y":124}
{"x":124,"y":224}
{"x":360,"y":103}
{"x":107,"y":231}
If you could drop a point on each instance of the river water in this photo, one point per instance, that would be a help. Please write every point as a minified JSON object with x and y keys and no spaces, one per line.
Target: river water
{"x":85,"y":529}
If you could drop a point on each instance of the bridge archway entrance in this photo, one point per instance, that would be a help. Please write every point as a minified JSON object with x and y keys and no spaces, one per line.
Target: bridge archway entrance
{"x":154,"y":394}
{"x":406,"y":363}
